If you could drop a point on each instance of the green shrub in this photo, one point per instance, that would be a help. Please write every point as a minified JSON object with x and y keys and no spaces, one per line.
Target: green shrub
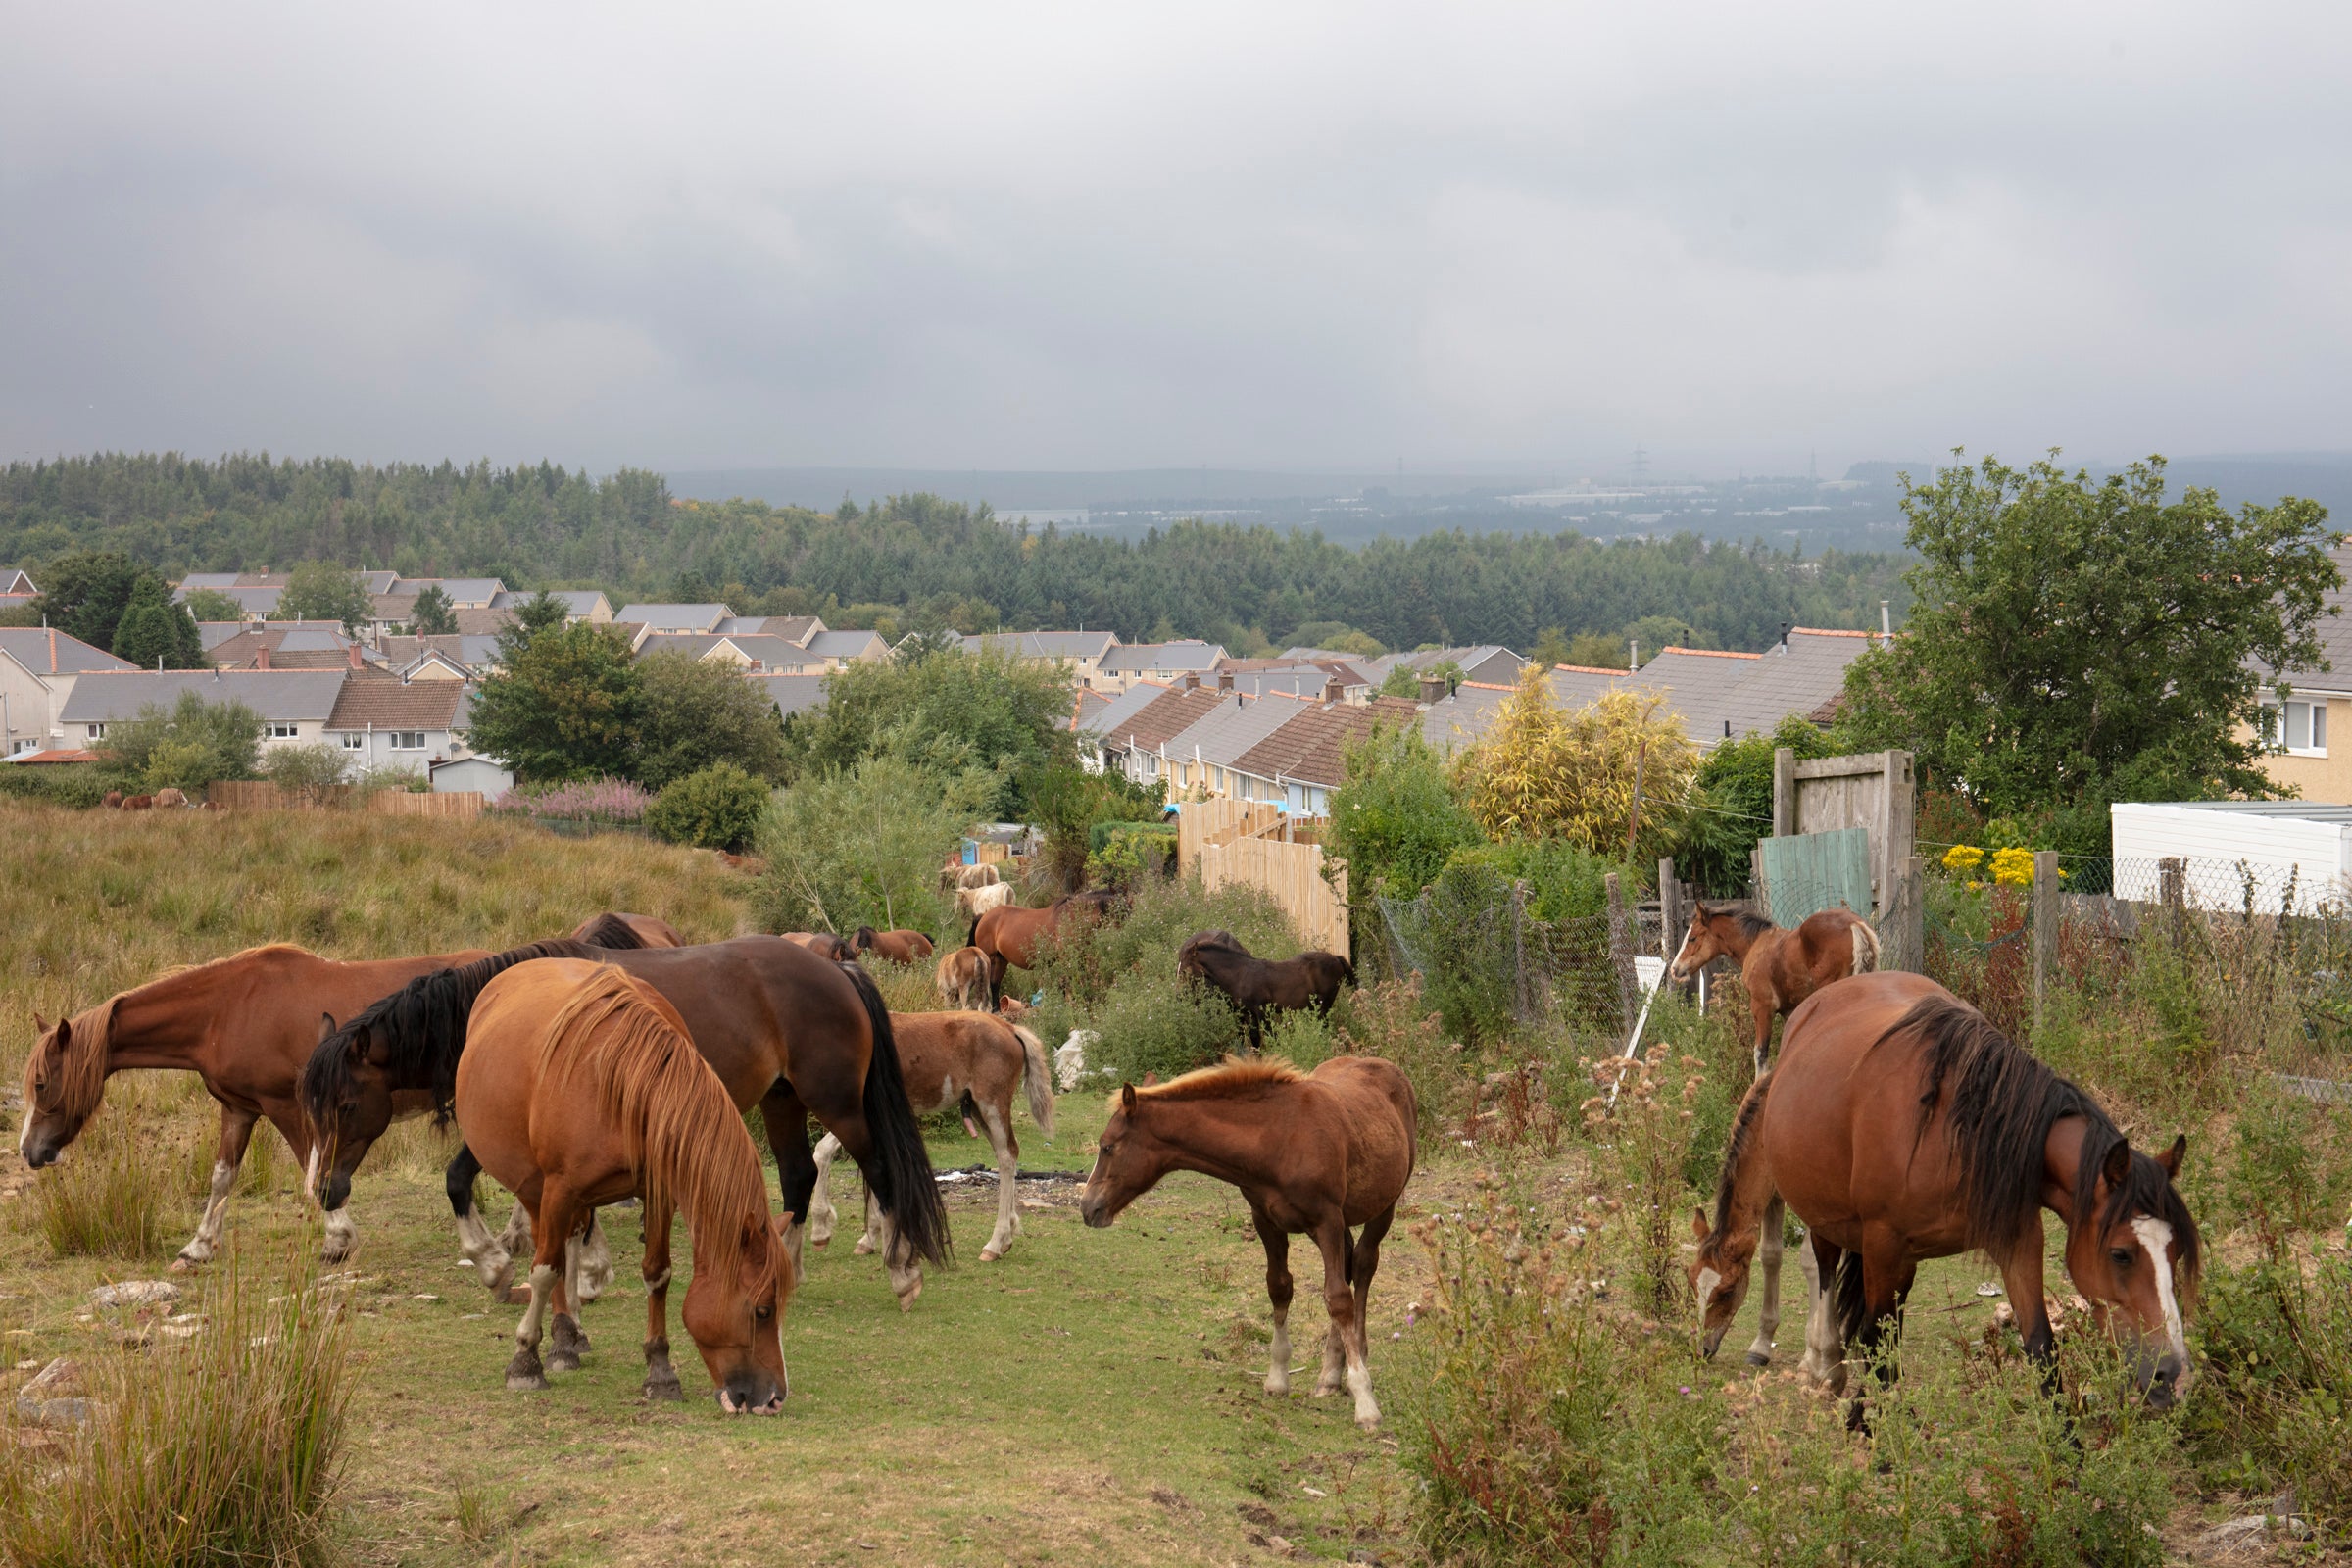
{"x":202,"y":742}
{"x":1564,"y":881}
{"x":1395,"y":820}
{"x":1304,"y":1038}
{"x":717,"y":808}
{"x":1155,"y":1022}
{"x":81,"y":785}
{"x":2274,"y":1348}
{"x":1389,"y":1019}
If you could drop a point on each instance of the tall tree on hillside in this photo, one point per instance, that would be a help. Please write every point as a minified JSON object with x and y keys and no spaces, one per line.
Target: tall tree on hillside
{"x":2074,"y":643}
{"x":320,"y":590}
{"x":87,"y":592}
{"x":156,"y":633}
{"x":433,"y":615}
{"x":564,"y":705}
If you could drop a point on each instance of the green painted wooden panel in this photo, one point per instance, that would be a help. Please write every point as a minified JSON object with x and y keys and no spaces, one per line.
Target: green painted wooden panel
{"x":1805,"y":873}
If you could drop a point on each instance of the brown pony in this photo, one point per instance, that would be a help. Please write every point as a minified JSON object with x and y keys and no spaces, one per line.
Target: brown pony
{"x":169,"y":797}
{"x":959,"y":1057}
{"x":1780,"y":967}
{"x":138,"y":802}
{"x":1901,"y":1126}
{"x":899,"y":946}
{"x":1009,"y":934}
{"x":963,"y":979}
{"x":784,"y":1029}
{"x":244,"y":1024}
{"x":113,"y":800}
{"x":1312,"y":1154}
{"x":628,"y":931}
{"x":824,"y":943}
{"x":582,"y":1089}
{"x":1258,"y":986}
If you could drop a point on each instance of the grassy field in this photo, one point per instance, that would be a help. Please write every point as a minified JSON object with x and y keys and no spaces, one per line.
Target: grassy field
{"x":1092,"y":1397}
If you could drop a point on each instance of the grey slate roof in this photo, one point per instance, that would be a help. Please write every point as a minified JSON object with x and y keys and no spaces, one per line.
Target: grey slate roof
{"x":1043,"y":644}
{"x":848,"y":645}
{"x":46,"y":652}
{"x":1133,"y":700}
{"x":576,"y":600}
{"x":792,"y":693}
{"x":2335,"y":627}
{"x":674,"y":617}
{"x":1798,"y":680}
{"x":1160,"y":658}
{"x":1220,"y":736}
{"x":283,"y":696}
{"x":1462,"y":720}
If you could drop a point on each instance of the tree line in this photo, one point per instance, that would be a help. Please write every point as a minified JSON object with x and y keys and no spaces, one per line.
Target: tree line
{"x":918,"y":562}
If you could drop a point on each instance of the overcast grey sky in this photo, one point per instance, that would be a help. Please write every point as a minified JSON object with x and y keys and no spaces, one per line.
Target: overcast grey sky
{"x":1102,"y":236}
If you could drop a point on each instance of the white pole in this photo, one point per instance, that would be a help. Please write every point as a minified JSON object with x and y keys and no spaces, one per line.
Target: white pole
{"x":1639,"y":1022}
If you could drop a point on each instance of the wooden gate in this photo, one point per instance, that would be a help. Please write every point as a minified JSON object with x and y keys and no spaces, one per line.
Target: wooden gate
{"x":1870,"y":791}
{"x":1291,"y":875}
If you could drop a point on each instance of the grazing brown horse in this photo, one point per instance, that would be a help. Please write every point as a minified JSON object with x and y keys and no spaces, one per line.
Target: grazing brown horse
{"x":1780,"y":967}
{"x":959,"y":1057}
{"x":1256,"y":986}
{"x":113,"y":800}
{"x":582,"y":1089}
{"x":899,"y":946}
{"x":244,"y":1024}
{"x":963,"y":979}
{"x":824,"y":943}
{"x":628,"y":931}
{"x":169,"y":797}
{"x":138,"y":802}
{"x":1901,"y":1126}
{"x":785,"y":1030}
{"x":1313,"y":1154}
{"x":1011,"y":935}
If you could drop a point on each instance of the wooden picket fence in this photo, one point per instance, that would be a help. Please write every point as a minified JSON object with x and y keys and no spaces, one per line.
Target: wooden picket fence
{"x":1291,"y":875}
{"x":260,"y":795}
{"x":1201,"y":823}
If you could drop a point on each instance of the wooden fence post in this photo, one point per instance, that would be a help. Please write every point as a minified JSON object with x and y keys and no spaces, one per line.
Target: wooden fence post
{"x":1903,"y":918}
{"x":1621,"y":950}
{"x":2045,"y":930}
{"x":1784,"y":792}
{"x":1670,"y":910}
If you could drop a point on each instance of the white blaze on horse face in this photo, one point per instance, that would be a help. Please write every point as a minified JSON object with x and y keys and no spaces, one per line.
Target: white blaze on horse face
{"x":2156,"y":1240}
{"x":309,"y":1173}
{"x":1708,"y":1279}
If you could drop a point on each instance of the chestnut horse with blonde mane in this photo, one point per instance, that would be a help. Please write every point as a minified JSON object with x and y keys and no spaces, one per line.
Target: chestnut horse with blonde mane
{"x":1780,"y":967}
{"x":1901,"y":1126}
{"x":1313,"y":1154}
{"x":973,"y":1059}
{"x":580,"y":1088}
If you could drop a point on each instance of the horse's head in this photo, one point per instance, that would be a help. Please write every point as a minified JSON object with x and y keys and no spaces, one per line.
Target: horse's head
{"x":65,"y":1078}
{"x":735,"y":1315}
{"x":346,"y":1092}
{"x":1713,"y":929}
{"x":1719,"y":1279}
{"x":861,"y":940}
{"x":1128,"y":1160}
{"x":2131,"y":1247}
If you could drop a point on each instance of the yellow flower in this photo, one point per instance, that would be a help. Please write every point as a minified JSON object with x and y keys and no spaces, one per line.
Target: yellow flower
{"x":1962,"y":858}
{"x":2013,"y":867}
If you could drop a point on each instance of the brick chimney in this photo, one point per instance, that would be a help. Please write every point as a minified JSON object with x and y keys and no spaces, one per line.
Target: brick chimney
{"x":1192,"y":679}
{"x":1334,"y":689}
{"x":260,"y":660}
{"x":1224,"y":680}
{"x":1433,"y":688}
{"x":352,"y":650}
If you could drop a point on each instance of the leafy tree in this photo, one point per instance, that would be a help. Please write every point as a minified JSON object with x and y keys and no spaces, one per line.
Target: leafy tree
{"x":189,"y":745}
{"x":153,"y":631}
{"x":1598,"y":649}
{"x":1337,"y":636}
{"x":1731,"y":806}
{"x":1544,"y":772}
{"x":1564,"y":881}
{"x":306,"y":772}
{"x":951,"y":712}
{"x":861,"y":846}
{"x":210,"y":603}
{"x":1395,"y":819}
{"x":433,"y":615}
{"x":320,"y":590}
{"x":21,"y":614}
{"x":1402,"y":680}
{"x":2074,"y":643}
{"x":543,"y":611}
{"x":693,"y":714}
{"x":717,"y":808}
{"x":564,"y":705}
{"x":87,"y":592}
{"x":1552,"y":648}
{"x":1068,"y":801}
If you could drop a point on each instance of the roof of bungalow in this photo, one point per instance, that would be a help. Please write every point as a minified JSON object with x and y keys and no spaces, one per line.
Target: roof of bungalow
{"x":575,"y":601}
{"x":1171,"y":714}
{"x":386,"y":701}
{"x":461,"y":590}
{"x":289,"y":644}
{"x":1106,"y":720}
{"x":47,"y":651}
{"x":1161,"y":658}
{"x":469,"y":650}
{"x":1313,"y":747}
{"x":1079,"y":645}
{"x":792,"y":693}
{"x":674,"y":617}
{"x":854,"y":645}
{"x":285,"y":696}
{"x":1236,"y":723}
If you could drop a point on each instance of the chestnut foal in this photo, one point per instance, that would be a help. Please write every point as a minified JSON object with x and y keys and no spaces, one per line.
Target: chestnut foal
{"x":1314,"y":1154}
{"x":1778,"y":967}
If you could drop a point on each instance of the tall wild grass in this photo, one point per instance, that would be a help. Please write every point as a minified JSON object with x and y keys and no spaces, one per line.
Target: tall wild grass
{"x":223,"y":1448}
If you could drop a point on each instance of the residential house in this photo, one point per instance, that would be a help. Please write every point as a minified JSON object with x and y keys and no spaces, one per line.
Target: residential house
{"x":15,"y":581}
{"x":1081,"y":652}
{"x":579,"y":604}
{"x":1489,"y":662}
{"x":674,"y":617}
{"x":446,"y":656}
{"x":1122,"y":667}
{"x":285,"y":645}
{"x":751,"y":651}
{"x":1462,"y":717}
{"x":792,"y":693}
{"x":384,"y":723}
{"x":39,"y":667}
{"x":294,"y":705}
{"x":1138,"y":746}
{"x":1336,"y":680}
{"x":839,"y":650}
{"x":794,"y":629}
{"x":2317,"y":708}
{"x":1203,"y":755}
{"x":1302,"y":761}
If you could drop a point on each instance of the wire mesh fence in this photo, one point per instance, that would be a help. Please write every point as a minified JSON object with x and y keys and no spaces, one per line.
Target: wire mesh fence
{"x":1491,"y":967}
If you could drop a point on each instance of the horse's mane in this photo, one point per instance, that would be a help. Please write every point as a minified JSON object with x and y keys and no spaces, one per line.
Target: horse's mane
{"x":421,"y":1028}
{"x":2004,"y":1103}
{"x":610,"y":931}
{"x":1743,"y":1128}
{"x":1751,"y":923}
{"x":616,"y":1038}
{"x":1230,"y":1079}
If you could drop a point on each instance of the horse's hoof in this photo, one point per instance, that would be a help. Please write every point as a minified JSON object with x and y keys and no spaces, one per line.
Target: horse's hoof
{"x":1758,"y":1358}
{"x":655,"y":1388}
{"x":989,"y":1255}
{"x":1369,"y":1423}
{"x":183,"y":1263}
{"x":863,"y":1249}
{"x":907,"y":1299}
{"x":561,"y":1361}
{"x":1279,"y":1388}
{"x":525,"y":1373}
{"x":526,"y":1381}
{"x":819,"y":1241}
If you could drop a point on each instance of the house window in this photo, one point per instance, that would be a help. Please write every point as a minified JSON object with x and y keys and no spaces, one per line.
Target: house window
{"x":2303,"y":728}
{"x":353,"y":741}
{"x":97,"y":732}
{"x":408,"y":740}
{"x":282,"y":732}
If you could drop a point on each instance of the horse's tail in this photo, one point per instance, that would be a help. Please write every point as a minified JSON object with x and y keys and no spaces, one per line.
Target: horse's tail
{"x":1866,"y":947}
{"x":1037,"y":1076}
{"x":971,"y":937}
{"x":900,"y":1174}
{"x":1852,"y":1305}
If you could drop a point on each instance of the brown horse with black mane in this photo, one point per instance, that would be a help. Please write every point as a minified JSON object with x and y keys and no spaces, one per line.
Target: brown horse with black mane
{"x":1011,"y":935}
{"x":824,"y":943}
{"x":899,"y":946}
{"x":1780,"y":967}
{"x":582,"y":1089}
{"x":1313,"y":1154}
{"x":1260,"y":986}
{"x":785,"y":1030}
{"x":628,"y":931}
{"x":1901,"y":1126}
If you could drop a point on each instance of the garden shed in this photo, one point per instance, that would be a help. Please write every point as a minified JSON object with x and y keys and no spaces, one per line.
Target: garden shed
{"x":2279,"y":844}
